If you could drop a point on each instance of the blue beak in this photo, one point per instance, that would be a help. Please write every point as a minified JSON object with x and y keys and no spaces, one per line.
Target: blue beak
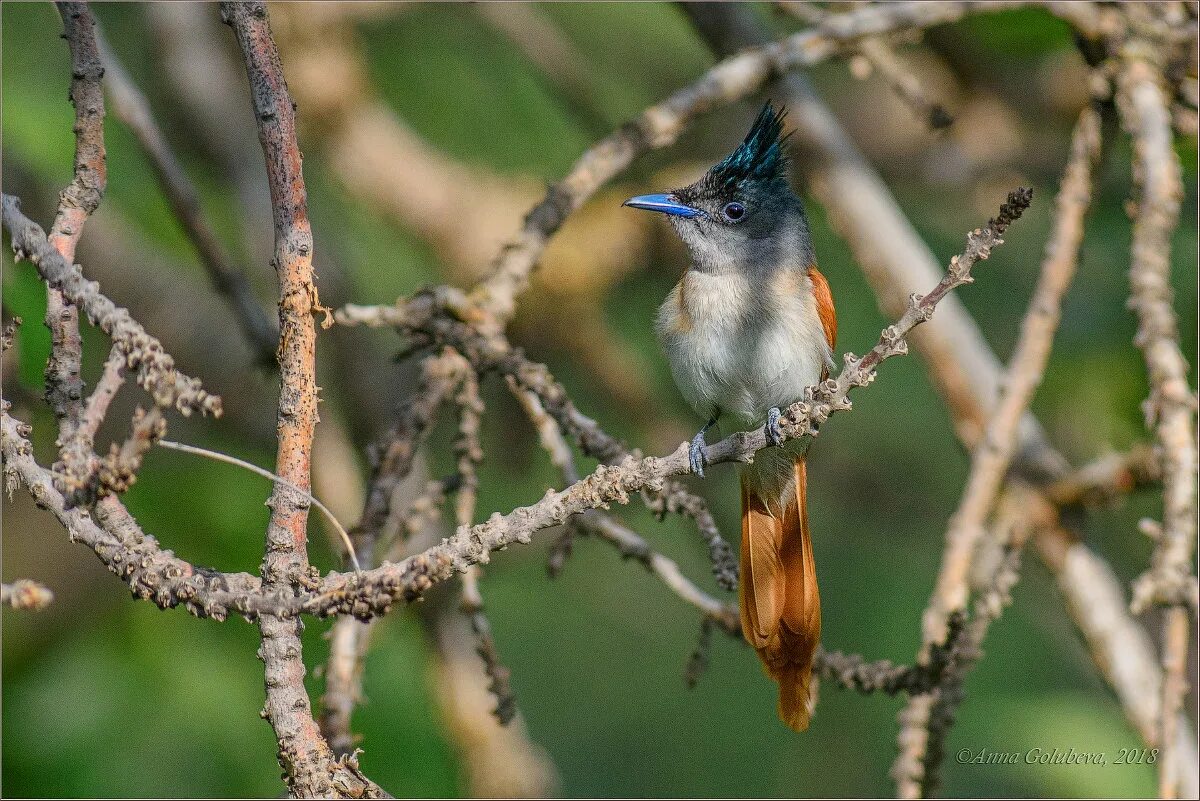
{"x":667,"y":204}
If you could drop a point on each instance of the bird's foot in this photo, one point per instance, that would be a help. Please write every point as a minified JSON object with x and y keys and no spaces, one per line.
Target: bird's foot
{"x":698,"y":452}
{"x":774,"y":435}
{"x":696,"y":456}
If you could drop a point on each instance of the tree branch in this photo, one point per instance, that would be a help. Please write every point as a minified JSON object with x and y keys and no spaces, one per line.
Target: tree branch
{"x":1170,"y":409}
{"x":156,"y":371}
{"x":64,"y":387}
{"x":660,"y":125}
{"x":308,"y":763}
{"x":608,"y":483}
{"x":992,"y":457}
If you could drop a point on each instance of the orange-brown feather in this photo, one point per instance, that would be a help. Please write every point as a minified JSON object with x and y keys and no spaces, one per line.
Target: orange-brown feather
{"x":824,"y":299}
{"x":780,"y":604}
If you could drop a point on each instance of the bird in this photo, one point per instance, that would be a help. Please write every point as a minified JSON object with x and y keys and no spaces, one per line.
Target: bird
{"x":749,"y":326}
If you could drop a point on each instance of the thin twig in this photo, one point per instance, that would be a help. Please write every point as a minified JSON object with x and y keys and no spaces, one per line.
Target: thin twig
{"x":439,"y":314}
{"x":660,"y":125}
{"x":880,"y":57}
{"x":609,"y":483}
{"x":117,"y":471}
{"x":1107,"y":478}
{"x":469,"y":449}
{"x":96,"y":407}
{"x":960,"y":364}
{"x":151,"y":573}
{"x":262,"y":471}
{"x":156,"y":371}
{"x":893,"y":257}
{"x":1121,"y":648}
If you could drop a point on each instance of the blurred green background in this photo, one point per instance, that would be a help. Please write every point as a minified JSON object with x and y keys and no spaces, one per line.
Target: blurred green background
{"x":103,"y":696}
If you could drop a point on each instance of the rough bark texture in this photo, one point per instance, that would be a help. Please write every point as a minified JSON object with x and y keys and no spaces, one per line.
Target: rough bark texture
{"x":309,"y":767}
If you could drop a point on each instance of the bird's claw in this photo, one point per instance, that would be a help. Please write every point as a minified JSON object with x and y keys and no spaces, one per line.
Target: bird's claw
{"x":696,"y":454}
{"x":774,"y":435}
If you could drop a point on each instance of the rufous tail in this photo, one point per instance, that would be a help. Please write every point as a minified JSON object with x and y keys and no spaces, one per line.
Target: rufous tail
{"x":780,"y":604}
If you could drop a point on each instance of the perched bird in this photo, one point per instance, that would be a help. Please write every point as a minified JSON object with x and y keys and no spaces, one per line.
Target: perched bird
{"x":748,"y":327}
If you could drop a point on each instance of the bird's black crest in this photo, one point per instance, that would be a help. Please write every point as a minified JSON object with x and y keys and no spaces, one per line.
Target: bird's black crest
{"x":759,"y":158}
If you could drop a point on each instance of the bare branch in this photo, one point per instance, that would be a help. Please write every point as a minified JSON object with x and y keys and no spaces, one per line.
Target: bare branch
{"x":156,"y":371}
{"x":106,"y":389}
{"x":880,"y":57}
{"x":991,"y":458}
{"x":993,"y":455}
{"x":1170,"y":409}
{"x":152,"y":573}
{"x":64,"y":387}
{"x":884,"y":243}
{"x":1106,"y":479}
{"x":1120,"y":646}
{"x":469,"y":449}
{"x":118,"y":471}
{"x":852,"y":673}
{"x":440,"y":313}
{"x":253,"y":468}
{"x":392,"y":459}
{"x":609,"y":483}
{"x":308,"y":763}
{"x":609,"y":529}
{"x":960,"y":364}
{"x":660,"y":125}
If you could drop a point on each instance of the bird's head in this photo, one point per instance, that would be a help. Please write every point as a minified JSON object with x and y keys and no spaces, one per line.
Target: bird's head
{"x":741,"y":214}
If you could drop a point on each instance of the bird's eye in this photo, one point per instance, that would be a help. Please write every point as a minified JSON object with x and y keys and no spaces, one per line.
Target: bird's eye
{"x":733,"y":212}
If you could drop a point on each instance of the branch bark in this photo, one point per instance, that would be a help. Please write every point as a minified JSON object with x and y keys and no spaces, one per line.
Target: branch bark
{"x":960,"y":364}
{"x":1170,"y":410}
{"x":156,"y":371}
{"x":64,"y":387}
{"x":609,"y":483}
{"x":732,"y":79}
{"x":310,"y":769}
{"x":915,"y":772}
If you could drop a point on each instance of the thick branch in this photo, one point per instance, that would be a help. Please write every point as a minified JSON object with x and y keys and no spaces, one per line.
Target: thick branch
{"x":308,"y":762}
{"x":991,"y":458}
{"x":1170,"y":409}
{"x":960,"y":364}
{"x":439,"y":314}
{"x":152,"y":573}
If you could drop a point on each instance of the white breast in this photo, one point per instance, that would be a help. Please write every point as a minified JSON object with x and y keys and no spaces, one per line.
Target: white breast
{"x":737,"y":347}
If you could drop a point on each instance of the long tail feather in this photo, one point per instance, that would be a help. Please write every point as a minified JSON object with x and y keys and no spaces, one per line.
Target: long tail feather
{"x":780,"y":604}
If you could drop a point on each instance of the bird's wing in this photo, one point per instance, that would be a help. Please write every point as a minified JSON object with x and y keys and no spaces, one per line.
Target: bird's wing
{"x":824,"y":300}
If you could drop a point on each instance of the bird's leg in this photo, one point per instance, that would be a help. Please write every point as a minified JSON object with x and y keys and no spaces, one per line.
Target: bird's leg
{"x":696,"y":456}
{"x":774,"y":435}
